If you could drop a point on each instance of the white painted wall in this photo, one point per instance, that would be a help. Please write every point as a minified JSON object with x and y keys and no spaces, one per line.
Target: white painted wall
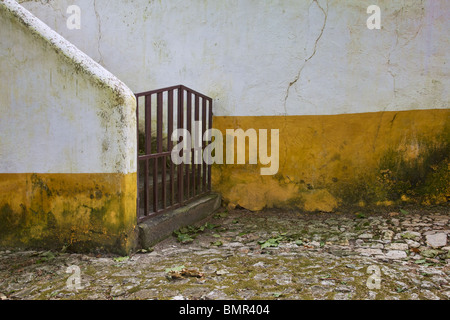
{"x":293,"y":57}
{"x":60,"y":112}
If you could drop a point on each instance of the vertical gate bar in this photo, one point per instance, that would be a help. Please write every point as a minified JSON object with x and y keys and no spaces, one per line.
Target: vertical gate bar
{"x":203,"y":144}
{"x":159,"y":138}
{"x":189,"y":129}
{"x":210,"y":127}
{"x":194,"y":167}
{"x":159,"y":121}
{"x":155,"y":184}
{"x":137,"y":160}
{"x":155,"y":168}
{"x":199,"y":166}
{"x":180,"y":126}
{"x":169,"y":141}
{"x":163,"y":179}
{"x":146,"y":190}
{"x":148,"y":150}
{"x":148,"y":124}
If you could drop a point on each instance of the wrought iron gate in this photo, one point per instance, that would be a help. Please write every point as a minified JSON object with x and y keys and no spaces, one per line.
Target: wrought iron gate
{"x":162,"y":185}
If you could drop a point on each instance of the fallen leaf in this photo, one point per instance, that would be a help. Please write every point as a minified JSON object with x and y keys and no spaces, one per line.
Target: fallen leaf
{"x":175,"y":269}
{"x":184,"y":238}
{"x":174,"y":275}
{"x":272,"y":242}
{"x":180,"y":272}
{"x":222,"y":272}
{"x":221,"y":215}
{"x":192,"y":273}
{"x":211,"y":225}
{"x":393,"y":214}
{"x":420,"y":261}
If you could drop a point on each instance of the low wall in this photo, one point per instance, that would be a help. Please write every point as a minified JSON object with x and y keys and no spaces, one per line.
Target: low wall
{"x":67,"y":143}
{"x":326,"y":162}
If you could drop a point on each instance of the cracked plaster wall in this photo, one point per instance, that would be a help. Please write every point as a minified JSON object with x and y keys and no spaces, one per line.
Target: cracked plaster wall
{"x":270,"y":57}
{"x":61,"y":111}
{"x":349,"y":101}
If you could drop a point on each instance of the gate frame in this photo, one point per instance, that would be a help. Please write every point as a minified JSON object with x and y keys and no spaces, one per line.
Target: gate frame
{"x":204,"y":186}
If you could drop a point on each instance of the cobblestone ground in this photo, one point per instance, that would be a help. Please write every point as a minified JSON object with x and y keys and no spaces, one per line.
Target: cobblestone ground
{"x":267,"y":255}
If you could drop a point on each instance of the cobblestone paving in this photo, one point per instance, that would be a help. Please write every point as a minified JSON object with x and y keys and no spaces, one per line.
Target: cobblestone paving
{"x":267,"y":255}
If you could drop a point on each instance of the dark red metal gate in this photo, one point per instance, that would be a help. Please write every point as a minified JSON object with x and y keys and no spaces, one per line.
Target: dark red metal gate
{"x":162,"y":185}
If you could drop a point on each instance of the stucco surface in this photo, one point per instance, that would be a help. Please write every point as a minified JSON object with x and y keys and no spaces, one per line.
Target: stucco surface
{"x":61,"y":112}
{"x":270,"y":57}
{"x":67,"y":143}
{"x":363,"y":159}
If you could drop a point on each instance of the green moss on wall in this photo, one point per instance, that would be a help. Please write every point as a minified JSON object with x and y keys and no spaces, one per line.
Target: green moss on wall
{"x":402,"y":176}
{"x":82,"y":212}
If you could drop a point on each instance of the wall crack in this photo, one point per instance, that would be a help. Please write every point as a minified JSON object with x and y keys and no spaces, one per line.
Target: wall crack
{"x":299,"y":73}
{"x":99,"y":29}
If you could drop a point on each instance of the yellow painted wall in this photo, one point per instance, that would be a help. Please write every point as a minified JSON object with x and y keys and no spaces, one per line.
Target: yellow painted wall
{"x":82,"y":211}
{"x":329,"y":161}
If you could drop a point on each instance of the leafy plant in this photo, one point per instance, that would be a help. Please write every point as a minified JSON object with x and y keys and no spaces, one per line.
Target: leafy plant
{"x":217,"y":243}
{"x":408,"y":235}
{"x":184,"y":237}
{"x":221,"y":215}
{"x":175,"y":269}
{"x":187,"y":234}
{"x":401,"y":289}
{"x":46,"y":256}
{"x":121,"y":259}
{"x":272,"y":242}
{"x":211,"y":225}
